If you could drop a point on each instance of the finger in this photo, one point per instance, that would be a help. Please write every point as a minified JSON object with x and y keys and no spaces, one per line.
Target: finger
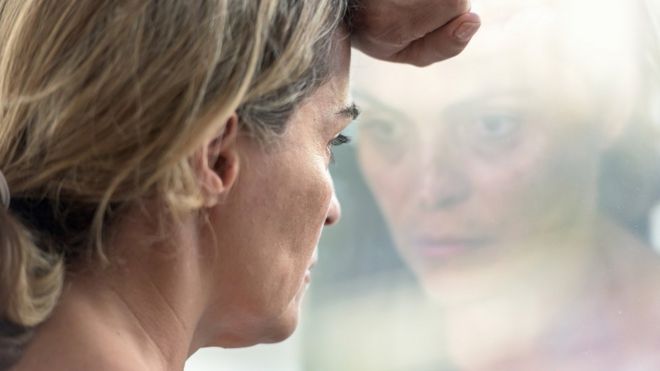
{"x":435,"y":14}
{"x":382,"y":28}
{"x":443,"y":43}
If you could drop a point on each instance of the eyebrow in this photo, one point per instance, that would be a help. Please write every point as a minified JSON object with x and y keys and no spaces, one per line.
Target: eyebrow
{"x":469,"y":104}
{"x":350,"y":112}
{"x":383,"y":109}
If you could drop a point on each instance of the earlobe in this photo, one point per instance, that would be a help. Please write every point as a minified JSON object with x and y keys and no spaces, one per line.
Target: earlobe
{"x":217,"y":163}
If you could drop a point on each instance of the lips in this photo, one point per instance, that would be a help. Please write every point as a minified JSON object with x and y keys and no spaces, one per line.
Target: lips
{"x":315,"y":259}
{"x":308,"y":273}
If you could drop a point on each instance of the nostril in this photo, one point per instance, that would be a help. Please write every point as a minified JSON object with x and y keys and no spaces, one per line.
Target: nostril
{"x":443,"y":190}
{"x":334,"y":211}
{"x":442,"y":201}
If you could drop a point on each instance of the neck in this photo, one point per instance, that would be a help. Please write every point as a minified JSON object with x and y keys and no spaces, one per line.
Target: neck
{"x":143,"y":312}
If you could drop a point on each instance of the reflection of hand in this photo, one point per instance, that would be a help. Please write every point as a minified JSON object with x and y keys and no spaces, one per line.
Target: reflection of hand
{"x":418,"y":32}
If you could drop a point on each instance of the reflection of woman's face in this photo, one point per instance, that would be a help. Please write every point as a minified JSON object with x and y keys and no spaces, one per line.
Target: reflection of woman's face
{"x":478,"y":160}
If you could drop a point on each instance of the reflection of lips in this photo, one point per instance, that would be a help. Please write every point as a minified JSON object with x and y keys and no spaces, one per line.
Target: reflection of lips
{"x":444,"y":247}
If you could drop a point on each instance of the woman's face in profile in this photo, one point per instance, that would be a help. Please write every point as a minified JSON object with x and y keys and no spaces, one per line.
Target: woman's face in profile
{"x":268,"y":228}
{"x":477,"y":161}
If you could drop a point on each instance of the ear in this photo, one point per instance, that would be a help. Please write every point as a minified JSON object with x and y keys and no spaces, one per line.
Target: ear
{"x":216,"y":163}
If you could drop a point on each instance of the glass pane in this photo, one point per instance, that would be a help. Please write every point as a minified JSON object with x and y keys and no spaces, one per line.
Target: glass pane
{"x":498,"y":209}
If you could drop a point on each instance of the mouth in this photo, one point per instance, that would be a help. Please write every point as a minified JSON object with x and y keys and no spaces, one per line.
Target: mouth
{"x":447,"y":247}
{"x":308,"y":272}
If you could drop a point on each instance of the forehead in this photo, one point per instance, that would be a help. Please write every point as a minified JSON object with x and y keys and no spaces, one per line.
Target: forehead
{"x":340,"y":65}
{"x":333,"y":95}
{"x":319,"y":112}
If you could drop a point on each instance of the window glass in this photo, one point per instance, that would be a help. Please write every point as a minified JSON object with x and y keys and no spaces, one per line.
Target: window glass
{"x":500,"y":209}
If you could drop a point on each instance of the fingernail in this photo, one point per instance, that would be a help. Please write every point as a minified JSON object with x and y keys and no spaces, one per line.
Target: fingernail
{"x":466,"y":30}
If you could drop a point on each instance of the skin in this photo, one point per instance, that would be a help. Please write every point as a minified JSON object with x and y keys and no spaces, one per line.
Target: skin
{"x":418,"y":32}
{"x":230,"y":275}
{"x":489,"y":188}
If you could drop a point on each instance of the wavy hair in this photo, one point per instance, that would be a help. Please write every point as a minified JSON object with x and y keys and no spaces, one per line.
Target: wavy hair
{"x":102,"y":104}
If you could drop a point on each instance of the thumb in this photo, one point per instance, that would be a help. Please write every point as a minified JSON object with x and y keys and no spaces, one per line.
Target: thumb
{"x":443,"y":43}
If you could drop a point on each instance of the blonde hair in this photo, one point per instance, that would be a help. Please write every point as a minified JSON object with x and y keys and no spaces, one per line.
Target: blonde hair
{"x":103,"y":102}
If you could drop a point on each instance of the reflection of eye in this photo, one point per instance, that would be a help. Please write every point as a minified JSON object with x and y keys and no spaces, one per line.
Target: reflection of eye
{"x":382,"y":131}
{"x":492,"y":133}
{"x":497,"y":126}
{"x":386,"y":137}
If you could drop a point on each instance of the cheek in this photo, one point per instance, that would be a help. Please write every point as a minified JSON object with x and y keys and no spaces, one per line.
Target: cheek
{"x":273,"y":237}
{"x":391,"y":181}
{"x":301,"y":197}
{"x":298,"y":199}
{"x":308,"y":206}
{"x":542,"y":187}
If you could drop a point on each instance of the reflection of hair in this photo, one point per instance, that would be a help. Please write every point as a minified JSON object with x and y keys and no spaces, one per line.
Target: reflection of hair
{"x":103,"y":102}
{"x":630,"y":177}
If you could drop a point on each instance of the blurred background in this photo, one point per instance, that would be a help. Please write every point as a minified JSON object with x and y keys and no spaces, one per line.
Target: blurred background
{"x":500,"y":210}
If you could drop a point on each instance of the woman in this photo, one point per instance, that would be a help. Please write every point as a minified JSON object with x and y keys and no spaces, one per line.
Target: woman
{"x":158,"y":155}
{"x":493,"y":189}
{"x":164,"y":169}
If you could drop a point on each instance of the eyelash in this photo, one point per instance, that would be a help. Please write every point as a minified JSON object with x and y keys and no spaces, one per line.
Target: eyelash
{"x":336,"y":142}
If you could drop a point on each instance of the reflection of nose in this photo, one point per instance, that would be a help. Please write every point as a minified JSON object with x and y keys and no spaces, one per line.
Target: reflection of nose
{"x":334,"y":211}
{"x":444,"y":185}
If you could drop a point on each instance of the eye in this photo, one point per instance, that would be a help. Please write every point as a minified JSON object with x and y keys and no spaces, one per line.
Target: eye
{"x":382,"y":131}
{"x":493,"y":133}
{"x":336,"y":142}
{"x":496,"y":127}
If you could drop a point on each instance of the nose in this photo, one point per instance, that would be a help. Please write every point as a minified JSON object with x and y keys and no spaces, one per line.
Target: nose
{"x":444,"y":184}
{"x":334,"y":211}
{"x":443,"y":193}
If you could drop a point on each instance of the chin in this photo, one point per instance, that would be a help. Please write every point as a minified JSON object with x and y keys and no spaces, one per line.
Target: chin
{"x":283,"y":327}
{"x":279,"y":335}
{"x":272,"y":332}
{"x":269,"y":325}
{"x":277,"y":328}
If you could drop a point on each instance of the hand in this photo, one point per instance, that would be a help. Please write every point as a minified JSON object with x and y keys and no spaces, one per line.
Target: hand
{"x":419,"y":32}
